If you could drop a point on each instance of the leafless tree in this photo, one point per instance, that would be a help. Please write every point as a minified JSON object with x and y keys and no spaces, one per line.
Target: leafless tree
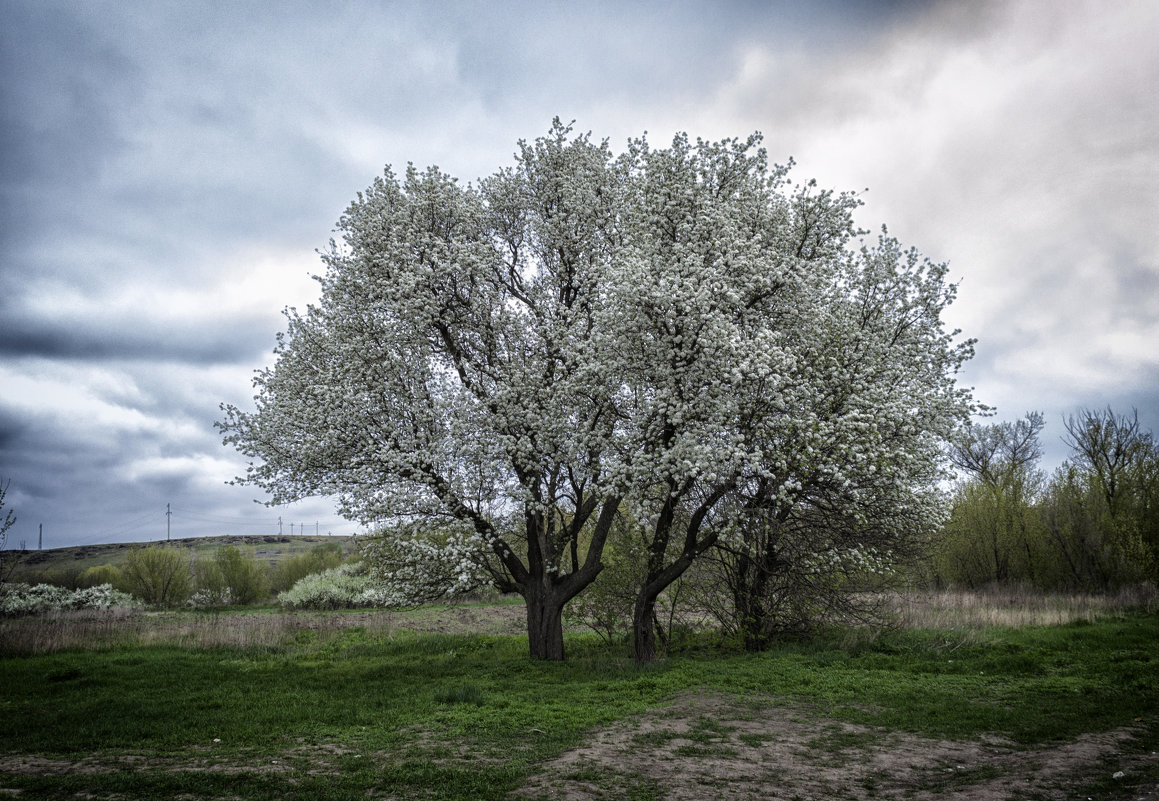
{"x":993,"y":452}
{"x":1110,"y":446}
{"x":8,"y":561}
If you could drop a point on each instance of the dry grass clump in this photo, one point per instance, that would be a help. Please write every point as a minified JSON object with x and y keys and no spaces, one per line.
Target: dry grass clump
{"x":88,"y":629}
{"x":953,"y":610}
{"x":120,"y":628}
{"x":1015,"y":606}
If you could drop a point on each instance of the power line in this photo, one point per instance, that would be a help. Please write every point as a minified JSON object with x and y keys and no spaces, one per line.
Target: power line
{"x":105,"y":534}
{"x":244,"y":526}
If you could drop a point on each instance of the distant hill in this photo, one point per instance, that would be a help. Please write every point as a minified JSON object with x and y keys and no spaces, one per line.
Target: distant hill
{"x":270,"y":549}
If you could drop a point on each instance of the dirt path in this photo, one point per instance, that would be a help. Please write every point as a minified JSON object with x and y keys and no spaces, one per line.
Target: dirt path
{"x":705,"y":747}
{"x":709,"y":747}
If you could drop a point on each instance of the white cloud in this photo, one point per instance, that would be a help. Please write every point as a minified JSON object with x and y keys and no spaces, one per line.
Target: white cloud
{"x":90,"y":401}
{"x":1015,"y":140}
{"x":206,"y":470}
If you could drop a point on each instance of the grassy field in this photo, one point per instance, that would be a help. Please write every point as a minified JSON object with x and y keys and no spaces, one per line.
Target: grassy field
{"x":443,"y":703}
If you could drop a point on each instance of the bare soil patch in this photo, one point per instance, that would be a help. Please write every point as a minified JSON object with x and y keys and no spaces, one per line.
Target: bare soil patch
{"x":708,"y":746}
{"x":713,"y":747}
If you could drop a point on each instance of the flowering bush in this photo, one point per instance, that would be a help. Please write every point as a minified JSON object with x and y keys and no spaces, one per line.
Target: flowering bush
{"x":344,"y":587}
{"x":17,"y":600}
{"x":290,"y":571}
{"x":416,"y":564}
{"x":210,"y":597}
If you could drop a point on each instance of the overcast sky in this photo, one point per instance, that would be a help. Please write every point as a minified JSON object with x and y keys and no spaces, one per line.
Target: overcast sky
{"x":167,"y":171}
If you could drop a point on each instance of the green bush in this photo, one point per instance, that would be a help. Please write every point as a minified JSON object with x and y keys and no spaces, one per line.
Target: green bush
{"x":994,"y":535}
{"x":157,"y":575}
{"x":229,"y":577}
{"x":69,"y":578}
{"x":103,"y":574}
{"x":243,"y":575}
{"x":605,"y":606}
{"x":320,"y":558}
{"x":1092,"y":526}
{"x":212,"y":589}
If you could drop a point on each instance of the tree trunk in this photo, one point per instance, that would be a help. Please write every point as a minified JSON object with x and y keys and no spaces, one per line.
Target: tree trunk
{"x":643,"y":630}
{"x":545,"y":624}
{"x":749,"y":598}
{"x":660,"y":577}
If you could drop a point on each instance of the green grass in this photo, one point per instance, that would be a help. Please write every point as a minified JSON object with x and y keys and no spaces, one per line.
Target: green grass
{"x":398,"y":714}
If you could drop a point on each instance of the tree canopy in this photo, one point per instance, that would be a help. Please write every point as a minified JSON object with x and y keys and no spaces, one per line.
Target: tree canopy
{"x":677,"y":335}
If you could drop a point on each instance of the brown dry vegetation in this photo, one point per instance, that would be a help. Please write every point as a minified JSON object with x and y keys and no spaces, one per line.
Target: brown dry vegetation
{"x":1014,"y":607}
{"x":61,"y":631}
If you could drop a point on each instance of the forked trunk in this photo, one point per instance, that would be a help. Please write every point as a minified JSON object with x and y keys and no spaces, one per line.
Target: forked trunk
{"x":545,"y":625}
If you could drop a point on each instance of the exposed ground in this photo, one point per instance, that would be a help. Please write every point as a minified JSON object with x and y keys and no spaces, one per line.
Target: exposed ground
{"x":709,"y":747}
{"x":701,"y":747}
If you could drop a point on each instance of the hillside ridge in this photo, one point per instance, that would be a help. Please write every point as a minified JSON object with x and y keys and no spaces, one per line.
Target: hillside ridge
{"x":271,"y":548}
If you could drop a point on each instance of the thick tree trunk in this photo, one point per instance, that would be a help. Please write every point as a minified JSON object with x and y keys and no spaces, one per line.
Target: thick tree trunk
{"x":546,"y":592}
{"x":545,"y":624}
{"x":643,"y":629}
{"x":753,"y":618}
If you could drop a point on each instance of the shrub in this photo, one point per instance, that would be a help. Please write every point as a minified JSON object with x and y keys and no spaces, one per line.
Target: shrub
{"x":605,"y":607}
{"x":69,"y":578}
{"x":778,"y":578}
{"x":345,"y":587}
{"x":229,"y":577}
{"x":210,"y":582}
{"x":320,"y":558}
{"x":157,"y":575}
{"x":208,"y":597}
{"x":103,"y":574}
{"x":23,"y":599}
{"x":103,"y":596}
{"x":243,"y":574}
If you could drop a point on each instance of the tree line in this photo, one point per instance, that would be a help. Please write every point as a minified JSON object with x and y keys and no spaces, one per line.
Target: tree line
{"x":1091,"y":525}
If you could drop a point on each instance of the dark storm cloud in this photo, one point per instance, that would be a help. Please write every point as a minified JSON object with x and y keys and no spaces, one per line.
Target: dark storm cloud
{"x":205,"y":341}
{"x":153,"y":129}
{"x":58,"y":117}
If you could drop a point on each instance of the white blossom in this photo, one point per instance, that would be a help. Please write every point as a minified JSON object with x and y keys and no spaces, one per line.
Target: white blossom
{"x":496,"y":370}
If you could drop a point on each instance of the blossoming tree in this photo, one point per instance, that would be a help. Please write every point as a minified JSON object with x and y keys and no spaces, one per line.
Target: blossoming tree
{"x":514,"y":364}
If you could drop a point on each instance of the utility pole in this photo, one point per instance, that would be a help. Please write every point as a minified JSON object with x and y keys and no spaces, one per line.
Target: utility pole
{"x":315,"y":528}
{"x":279,"y":525}
{"x":168,"y":522}
{"x":40,"y":542}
